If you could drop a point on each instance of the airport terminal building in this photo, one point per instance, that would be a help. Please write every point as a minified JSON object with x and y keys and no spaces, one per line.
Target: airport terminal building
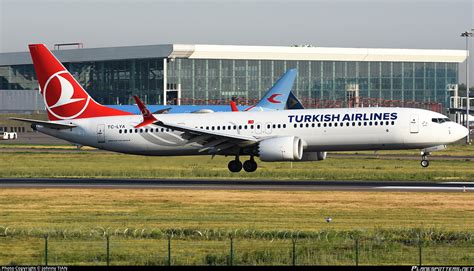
{"x":199,"y":74}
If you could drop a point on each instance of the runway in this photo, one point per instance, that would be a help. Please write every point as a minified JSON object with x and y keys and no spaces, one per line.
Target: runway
{"x":293,"y":185}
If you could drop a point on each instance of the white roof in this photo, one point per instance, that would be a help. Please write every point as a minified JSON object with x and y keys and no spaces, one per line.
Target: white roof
{"x":316,"y":53}
{"x":197,"y":51}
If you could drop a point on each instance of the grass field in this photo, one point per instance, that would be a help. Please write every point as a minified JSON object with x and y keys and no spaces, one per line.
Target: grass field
{"x":85,"y":163}
{"x":263,"y":222}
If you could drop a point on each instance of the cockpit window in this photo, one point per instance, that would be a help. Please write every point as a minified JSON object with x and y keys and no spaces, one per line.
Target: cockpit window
{"x":440,"y":120}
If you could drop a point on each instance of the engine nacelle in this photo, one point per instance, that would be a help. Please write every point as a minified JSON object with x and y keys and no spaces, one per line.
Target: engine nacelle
{"x":287,"y":148}
{"x":314,"y":156}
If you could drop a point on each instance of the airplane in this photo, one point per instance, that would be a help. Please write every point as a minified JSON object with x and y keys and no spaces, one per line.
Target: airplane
{"x":278,"y":97}
{"x":283,"y":135}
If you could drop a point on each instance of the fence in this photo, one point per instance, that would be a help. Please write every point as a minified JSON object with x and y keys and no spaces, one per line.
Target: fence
{"x":231,"y":250}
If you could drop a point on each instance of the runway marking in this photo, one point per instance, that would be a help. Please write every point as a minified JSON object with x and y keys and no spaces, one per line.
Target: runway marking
{"x":425,"y":188}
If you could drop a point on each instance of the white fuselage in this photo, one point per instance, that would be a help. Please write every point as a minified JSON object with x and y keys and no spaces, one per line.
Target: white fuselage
{"x":354,"y":129}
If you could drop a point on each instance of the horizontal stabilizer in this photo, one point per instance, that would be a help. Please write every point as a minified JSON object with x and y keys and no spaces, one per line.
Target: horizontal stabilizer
{"x":45,"y":123}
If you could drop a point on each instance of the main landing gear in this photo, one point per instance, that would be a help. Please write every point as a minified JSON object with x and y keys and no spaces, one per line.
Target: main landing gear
{"x":236,"y":165}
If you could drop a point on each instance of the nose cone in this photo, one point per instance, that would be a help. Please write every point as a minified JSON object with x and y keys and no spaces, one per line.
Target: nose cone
{"x":460,"y":131}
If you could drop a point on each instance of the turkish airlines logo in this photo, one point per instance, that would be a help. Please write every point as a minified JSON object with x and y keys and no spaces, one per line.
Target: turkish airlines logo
{"x":61,"y":99}
{"x":272,"y":98}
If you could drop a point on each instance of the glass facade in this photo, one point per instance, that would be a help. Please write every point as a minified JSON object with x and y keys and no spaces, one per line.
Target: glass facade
{"x":325,"y":80}
{"x":108,"y":82}
{"x":114,"y":82}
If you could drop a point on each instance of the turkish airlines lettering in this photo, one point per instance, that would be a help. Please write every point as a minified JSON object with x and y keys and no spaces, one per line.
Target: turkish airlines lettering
{"x":284,"y":135}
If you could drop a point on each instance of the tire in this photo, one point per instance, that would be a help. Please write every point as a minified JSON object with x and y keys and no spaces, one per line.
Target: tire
{"x":235,"y":166}
{"x":250,"y":166}
{"x":425,"y":163}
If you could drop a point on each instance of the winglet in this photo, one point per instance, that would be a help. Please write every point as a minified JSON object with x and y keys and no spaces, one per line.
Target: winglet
{"x":233,"y":106}
{"x":148,"y":117}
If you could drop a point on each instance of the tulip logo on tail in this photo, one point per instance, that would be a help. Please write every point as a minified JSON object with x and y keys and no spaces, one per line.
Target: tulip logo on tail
{"x":61,"y":99}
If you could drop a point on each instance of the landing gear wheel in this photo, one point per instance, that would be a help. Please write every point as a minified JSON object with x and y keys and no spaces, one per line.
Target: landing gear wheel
{"x":425,"y":163}
{"x":235,"y":166}
{"x":250,"y":165}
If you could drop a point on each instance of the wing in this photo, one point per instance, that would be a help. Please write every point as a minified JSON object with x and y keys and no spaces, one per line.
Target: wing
{"x":48,"y":124}
{"x":211,"y":141}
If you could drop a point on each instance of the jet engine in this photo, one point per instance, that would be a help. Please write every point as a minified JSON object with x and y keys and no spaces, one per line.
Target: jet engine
{"x":314,"y":156}
{"x":287,"y":148}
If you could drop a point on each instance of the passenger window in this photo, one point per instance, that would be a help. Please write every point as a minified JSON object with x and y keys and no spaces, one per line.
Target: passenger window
{"x":370,"y":123}
{"x":347,"y":124}
{"x":212,"y":128}
{"x":312,"y":125}
{"x":330,"y":124}
{"x":120,"y":131}
{"x":245,"y":127}
{"x":353,"y":124}
{"x":258,"y":126}
{"x":360,"y":124}
{"x":240,"y":127}
{"x":218,"y":127}
{"x":386,"y":123}
{"x":125,"y":131}
{"x":279,"y":126}
{"x":325,"y":124}
{"x":251,"y":127}
{"x":365,"y":123}
{"x":319,"y":124}
{"x":393,"y":122}
{"x":307,"y":125}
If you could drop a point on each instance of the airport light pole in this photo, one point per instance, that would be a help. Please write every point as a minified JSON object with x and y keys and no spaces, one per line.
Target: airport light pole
{"x":467,"y":35}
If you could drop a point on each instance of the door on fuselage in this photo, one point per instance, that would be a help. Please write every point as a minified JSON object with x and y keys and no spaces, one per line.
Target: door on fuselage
{"x":101,"y":133}
{"x":414,"y":128}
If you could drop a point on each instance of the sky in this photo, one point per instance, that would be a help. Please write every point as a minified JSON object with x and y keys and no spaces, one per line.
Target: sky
{"x":414,"y":24}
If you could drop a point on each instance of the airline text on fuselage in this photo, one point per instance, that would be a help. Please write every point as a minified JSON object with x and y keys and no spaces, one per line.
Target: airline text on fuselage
{"x":343,"y":117}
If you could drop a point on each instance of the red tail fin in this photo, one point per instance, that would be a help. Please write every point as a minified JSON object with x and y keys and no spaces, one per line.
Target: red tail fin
{"x":148,"y":117}
{"x":63,"y":95}
{"x":233,"y":106}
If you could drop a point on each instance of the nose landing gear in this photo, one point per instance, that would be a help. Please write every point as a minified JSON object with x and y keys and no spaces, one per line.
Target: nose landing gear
{"x":424,"y":162}
{"x":424,"y":159}
{"x":427,"y":151}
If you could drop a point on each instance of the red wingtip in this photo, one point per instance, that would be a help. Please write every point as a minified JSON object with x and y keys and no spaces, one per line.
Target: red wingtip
{"x":233,"y":106}
{"x":148,"y":117}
